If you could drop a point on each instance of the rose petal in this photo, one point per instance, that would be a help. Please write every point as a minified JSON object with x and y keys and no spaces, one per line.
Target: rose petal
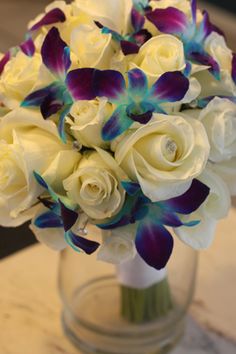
{"x":117,"y":124}
{"x":79,"y":243}
{"x":53,"y":16}
{"x":170,"y":87}
{"x":56,"y":54}
{"x":28,"y":47}
{"x":190,"y":201}
{"x":170,"y":20}
{"x":154,"y":244}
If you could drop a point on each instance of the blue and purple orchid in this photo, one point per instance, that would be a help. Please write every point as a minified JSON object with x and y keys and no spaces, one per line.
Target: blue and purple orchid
{"x":137,"y":102}
{"x":193,"y":35}
{"x":134,"y":103}
{"x":153,"y":241}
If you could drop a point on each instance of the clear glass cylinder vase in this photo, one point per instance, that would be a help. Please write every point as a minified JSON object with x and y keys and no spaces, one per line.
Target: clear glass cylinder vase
{"x":93,"y":299}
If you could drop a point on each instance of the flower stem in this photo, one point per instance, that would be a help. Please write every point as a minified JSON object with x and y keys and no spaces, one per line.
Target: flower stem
{"x":146,"y":305}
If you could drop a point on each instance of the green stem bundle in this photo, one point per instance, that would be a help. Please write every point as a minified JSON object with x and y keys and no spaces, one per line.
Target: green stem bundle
{"x":146,"y":305}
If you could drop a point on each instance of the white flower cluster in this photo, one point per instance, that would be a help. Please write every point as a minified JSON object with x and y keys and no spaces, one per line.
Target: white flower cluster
{"x":163,"y":156}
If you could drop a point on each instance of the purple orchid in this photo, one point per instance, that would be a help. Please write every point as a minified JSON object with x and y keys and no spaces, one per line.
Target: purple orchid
{"x":61,"y":216}
{"x":137,"y":102}
{"x":55,"y":97}
{"x":154,"y":242}
{"x":173,"y":21}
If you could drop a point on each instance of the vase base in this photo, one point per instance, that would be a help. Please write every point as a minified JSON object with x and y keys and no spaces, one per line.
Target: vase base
{"x":97,"y":327}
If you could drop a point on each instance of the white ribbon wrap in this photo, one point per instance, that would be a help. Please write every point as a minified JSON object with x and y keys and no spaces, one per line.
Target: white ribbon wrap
{"x":137,"y":274}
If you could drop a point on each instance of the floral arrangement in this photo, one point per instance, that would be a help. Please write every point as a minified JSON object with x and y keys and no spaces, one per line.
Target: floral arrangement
{"x":119,"y":114}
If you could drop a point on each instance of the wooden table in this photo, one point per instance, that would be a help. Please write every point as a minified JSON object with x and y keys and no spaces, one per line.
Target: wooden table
{"x":30,"y":306}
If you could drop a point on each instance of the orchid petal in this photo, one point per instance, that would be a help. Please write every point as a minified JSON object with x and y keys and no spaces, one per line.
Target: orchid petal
{"x":28,"y":47}
{"x":110,"y":84}
{"x":137,"y":20}
{"x":80,"y":83}
{"x":56,"y":54}
{"x":170,"y":87}
{"x":201,"y":57}
{"x":79,"y":243}
{"x":36,"y":98}
{"x":69,"y":217}
{"x":53,"y":16}
{"x":142,"y":37}
{"x":48,"y":220}
{"x":61,"y":125}
{"x":129,"y":47}
{"x":190,"y":201}
{"x":5,"y":59}
{"x":154,"y":244}
{"x":138,"y":83}
{"x":117,"y":124}
{"x":51,"y":105}
{"x":194,"y":10}
{"x":169,"y":20}
{"x":234,"y":68}
{"x":131,"y":188}
{"x":142,"y":118}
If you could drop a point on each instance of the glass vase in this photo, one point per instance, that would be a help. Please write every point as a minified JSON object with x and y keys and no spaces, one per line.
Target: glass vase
{"x":102,"y":314}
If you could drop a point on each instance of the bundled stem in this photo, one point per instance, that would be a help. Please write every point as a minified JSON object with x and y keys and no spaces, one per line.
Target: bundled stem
{"x":146,"y":305}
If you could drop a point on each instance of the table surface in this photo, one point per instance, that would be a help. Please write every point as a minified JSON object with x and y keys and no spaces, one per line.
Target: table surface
{"x":30,"y":306}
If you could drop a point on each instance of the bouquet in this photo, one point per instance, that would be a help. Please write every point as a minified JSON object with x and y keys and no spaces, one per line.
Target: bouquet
{"x":119,"y":114}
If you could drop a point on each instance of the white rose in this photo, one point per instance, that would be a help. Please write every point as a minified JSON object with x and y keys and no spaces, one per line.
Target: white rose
{"x":18,"y":79}
{"x":158,"y":55}
{"x":164,"y":156}
{"x":91,"y":47}
{"x":28,"y":143}
{"x":216,"y":46}
{"x":216,"y":207}
{"x":118,"y":246}
{"x":86,"y":120}
{"x":219,"y":120}
{"x":95,"y":185}
{"x":112,"y":14}
{"x":212,"y":87}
